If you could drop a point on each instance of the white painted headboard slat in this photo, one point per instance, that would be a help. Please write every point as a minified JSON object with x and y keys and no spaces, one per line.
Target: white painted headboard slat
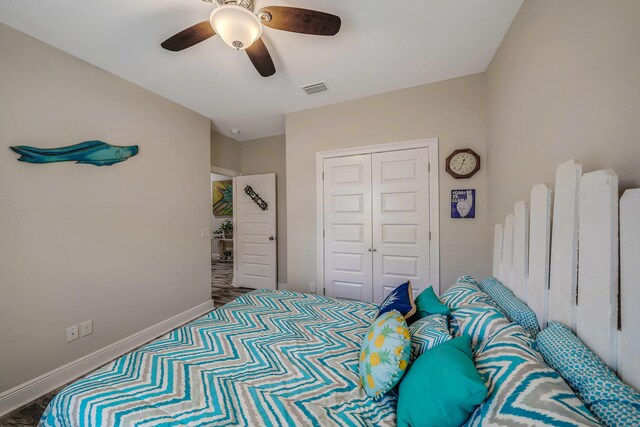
{"x":507,"y":251}
{"x":520,"y":250}
{"x":597,"y":313}
{"x":538,"y":258}
{"x":497,"y":250}
{"x":629,"y":345}
{"x":564,"y":244}
{"x":539,"y":252}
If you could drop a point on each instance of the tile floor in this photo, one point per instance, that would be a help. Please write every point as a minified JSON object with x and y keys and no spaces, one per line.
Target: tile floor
{"x":222,"y":291}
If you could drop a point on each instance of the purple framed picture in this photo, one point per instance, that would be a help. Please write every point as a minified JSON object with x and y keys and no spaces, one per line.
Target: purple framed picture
{"x":463,"y":203}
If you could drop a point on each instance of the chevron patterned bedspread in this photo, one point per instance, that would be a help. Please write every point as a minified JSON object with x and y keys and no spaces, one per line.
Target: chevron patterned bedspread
{"x":269,"y":358}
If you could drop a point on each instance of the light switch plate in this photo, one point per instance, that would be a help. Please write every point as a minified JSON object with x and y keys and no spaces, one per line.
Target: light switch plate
{"x":205,"y":233}
{"x":72,"y":333}
{"x":86,"y":328}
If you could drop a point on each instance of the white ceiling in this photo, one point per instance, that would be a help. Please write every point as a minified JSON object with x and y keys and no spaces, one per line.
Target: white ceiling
{"x":382,"y":46}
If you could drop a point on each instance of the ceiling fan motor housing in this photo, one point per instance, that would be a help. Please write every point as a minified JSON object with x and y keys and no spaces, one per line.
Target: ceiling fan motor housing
{"x":247,"y":4}
{"x":238,"y":26}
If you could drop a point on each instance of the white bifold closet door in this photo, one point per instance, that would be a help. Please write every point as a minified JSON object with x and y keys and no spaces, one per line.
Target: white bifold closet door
{"x":376,"y":223}
{"x":347,"y":227}
{"x":400,"y":193}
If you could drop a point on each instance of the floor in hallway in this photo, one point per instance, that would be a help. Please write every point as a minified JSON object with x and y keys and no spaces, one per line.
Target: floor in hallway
{"x":222,"y":289}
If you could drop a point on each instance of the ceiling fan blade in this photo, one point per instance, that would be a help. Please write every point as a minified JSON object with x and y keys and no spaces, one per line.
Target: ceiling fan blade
{"x":261,"y":59}
{"x":189,"y":37}
{"x":298,"y":20}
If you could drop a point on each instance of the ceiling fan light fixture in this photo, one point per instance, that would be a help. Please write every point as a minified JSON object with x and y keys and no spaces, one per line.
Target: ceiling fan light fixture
{"x":238,"y":26}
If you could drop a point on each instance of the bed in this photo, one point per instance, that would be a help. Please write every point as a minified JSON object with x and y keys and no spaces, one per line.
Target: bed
{"x":267,"y":358}
{"x":281,"y":358}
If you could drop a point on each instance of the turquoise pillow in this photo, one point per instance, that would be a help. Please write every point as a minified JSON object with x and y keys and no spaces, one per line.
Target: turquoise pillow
{"x":442,"y":387}
{"x":384,"y":355}
{"x":427,"y":303}
{"x":400,"y":299}
{"x":609,"y":399}
{"x":428,"y":332}
{"x":516,"y":310}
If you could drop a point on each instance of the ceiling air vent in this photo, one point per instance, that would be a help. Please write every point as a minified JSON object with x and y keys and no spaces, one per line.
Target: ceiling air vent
{"x":315,"y":88}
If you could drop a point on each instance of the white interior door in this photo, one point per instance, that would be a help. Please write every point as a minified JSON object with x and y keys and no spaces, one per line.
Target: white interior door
{"x":400,"y":192}
{"x":255,"y":256}
{"x":347,"y":227}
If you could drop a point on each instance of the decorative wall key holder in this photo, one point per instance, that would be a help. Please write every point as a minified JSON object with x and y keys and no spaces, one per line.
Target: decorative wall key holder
{"x":257,"y":199}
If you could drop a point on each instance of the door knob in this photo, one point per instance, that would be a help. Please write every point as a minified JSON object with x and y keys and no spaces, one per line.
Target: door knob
{"x":374,"y":249}
{"x":369,"y":249}
{"x":272,"y":238}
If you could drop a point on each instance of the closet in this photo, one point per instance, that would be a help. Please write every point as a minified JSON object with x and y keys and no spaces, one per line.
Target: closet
{"x":376,"y":223}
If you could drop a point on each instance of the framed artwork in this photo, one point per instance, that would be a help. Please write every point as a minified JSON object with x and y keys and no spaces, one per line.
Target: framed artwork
{"x":463,"y":203}
{"x":222,"y":197}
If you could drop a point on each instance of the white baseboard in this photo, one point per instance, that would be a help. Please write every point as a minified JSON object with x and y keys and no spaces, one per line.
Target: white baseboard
{"x":24,"y":393}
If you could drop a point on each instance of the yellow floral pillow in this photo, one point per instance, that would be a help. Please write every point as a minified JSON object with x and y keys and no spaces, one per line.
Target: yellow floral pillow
{"x":385,"y":353}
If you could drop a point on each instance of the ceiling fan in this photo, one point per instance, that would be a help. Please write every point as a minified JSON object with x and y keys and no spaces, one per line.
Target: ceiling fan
{"x":241,"y":28}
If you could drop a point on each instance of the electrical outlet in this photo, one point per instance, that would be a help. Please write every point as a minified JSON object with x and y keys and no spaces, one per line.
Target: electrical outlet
{"x":72,"y":333}
{"x":86,"y":328}
{"x":312,"y":286}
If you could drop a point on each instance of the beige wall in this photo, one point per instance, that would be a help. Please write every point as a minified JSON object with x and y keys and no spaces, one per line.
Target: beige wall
{"x":225,"y":152}
{"x":118,"y":244}
{"x":565,"y":83}
{"x":453,"y":110}
{"x":267,"y":155}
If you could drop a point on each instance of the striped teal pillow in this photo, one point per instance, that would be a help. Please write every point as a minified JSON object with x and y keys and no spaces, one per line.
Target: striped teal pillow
{"x":523,"y":390}
{"x":464,"y":291}
{"x":428,"y":332}
{"x":478,"y":320}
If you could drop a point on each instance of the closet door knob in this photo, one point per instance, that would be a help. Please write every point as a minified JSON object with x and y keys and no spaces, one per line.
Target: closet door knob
{"x":369,"y":249}
{"x":374,"y":250}
{"x":272,"y":238}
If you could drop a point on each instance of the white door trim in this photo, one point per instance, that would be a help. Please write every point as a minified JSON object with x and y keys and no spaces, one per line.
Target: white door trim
{"x":434,"y":202}
{"x":223,"y":171}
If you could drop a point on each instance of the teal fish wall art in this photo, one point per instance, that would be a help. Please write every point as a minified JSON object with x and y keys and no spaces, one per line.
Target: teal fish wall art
{"x":95,"y":153}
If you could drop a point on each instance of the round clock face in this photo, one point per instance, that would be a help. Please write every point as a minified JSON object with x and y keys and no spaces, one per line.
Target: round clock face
{"x":463,"y":163}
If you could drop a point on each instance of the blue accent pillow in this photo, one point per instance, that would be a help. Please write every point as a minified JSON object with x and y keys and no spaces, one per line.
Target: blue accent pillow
{"x":609,"y":399}
{"x":523,"y":390}
{"x":428,"y":332}
{"x":400,"y":299}
{"x":515,"y":310}
{"x":384,"y":355}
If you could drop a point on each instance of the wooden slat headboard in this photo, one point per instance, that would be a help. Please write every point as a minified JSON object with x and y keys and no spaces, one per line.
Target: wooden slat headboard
{"x":568,"y":269}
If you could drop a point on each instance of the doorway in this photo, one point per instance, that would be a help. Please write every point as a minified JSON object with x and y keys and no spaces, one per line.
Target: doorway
{"x":222,"y":237}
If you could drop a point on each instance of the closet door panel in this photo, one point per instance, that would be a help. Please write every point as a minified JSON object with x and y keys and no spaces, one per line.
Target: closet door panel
{"x":347,"y":228}
{"x":400,"y":196}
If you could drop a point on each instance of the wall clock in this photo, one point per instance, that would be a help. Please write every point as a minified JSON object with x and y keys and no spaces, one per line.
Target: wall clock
{"x":463,"y":163}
